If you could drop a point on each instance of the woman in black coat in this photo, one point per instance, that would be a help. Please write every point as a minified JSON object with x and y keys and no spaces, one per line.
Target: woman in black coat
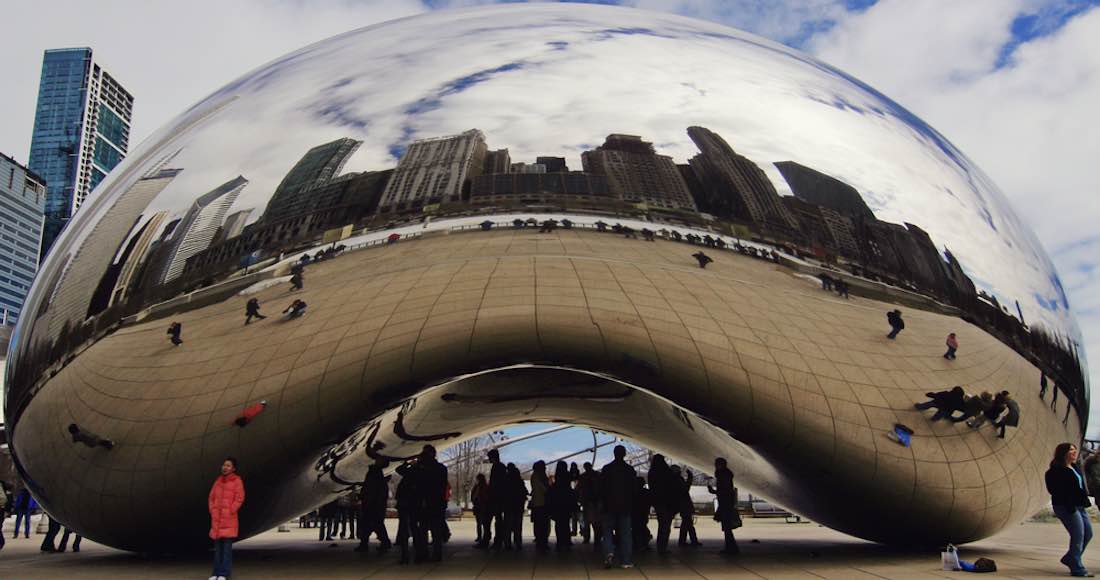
{"x":1069,"y":497}
{"x":561,"y":502}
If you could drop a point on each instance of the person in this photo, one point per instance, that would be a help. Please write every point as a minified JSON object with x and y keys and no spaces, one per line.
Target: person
{"x":991,"y":409}
{"x":1042,"y":384}
{"x":1092,"y":476}
{"x":560,"y":503}
{"x":295,"y":310}
{"x":588,"y":496}
{"x":433,"y":488}
{"x":1054,"y":399}
{"x":407,"y":496}
{"x":896,"y":323}
{"x":5,"y":506}
{"x":617,"y":485}
{"x":296,"y":281}
{"x":479,"y":496}
{"x":663,"y":496}
{"x":225,"y":500}
{"x":702,"y":258}
{"x":945,"y":402}
{"x":726,"y":513}
{"x":372,"y":514}
{"x":252,"y":310}
{"x":65,"y":541}
{"x":24,"y":504}
{"x":575,"y":516}
{"x":51,"y":532}
{"x":540,"y":518}
{"x":174,"y":331}
{"x":639,"y":517}
{"x":88,"y":438}
{"x":685,"y":507}
{"x":326,"y":520}
{"x":952,"y":347}
{"x":513,"y":508}
{"x":826,"y":282}
{"x":842,"y":288}
{"x":1011,"y":417}
{"x":498,"y":490}
{"x":973,"y":407}
{"x":1069,"y":498}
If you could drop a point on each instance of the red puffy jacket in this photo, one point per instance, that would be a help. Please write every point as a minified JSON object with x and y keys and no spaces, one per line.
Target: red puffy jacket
{"x":226,"y":497}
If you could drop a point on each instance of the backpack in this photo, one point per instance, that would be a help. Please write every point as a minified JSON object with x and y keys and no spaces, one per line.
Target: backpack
{"x":985,"y":565}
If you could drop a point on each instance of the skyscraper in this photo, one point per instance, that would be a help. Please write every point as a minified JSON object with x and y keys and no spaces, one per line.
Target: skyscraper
{"x":81,"y":132}
{"x":22,"y":195}
{"x":199,"y":225}
{"x":821,"y":189}
{"x":316,"y":168}
{"x":142,"y":242}
{"x":735,"y":186}
{"x":435,"y":171}
{"x":637,"y":174}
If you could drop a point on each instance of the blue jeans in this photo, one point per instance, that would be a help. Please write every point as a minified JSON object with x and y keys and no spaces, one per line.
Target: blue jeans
{"x":1076,"y":521}
{"x":620,"y":523}
{"x":23,"y":515}
{"x":223,"y":557}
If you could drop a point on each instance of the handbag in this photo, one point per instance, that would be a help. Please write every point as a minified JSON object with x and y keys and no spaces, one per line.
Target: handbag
{"x":950,"y":558}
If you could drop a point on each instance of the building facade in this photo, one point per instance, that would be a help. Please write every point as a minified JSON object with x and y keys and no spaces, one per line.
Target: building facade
{"x":637,"y":174}
{"x":539,"y":188}
{"x":317,"y":167}
{"x":435,"y":171}
{"x":735,"y":186}
{"x":81,"y":132}
{"x":22,"y":200}
{"x":199,"y":226}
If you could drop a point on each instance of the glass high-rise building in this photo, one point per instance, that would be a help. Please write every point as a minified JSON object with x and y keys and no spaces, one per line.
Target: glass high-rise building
{"x":81,"y":132}
{"x":22,"y":194}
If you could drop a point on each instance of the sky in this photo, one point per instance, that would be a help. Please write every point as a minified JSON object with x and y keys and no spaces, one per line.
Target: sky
{"x":1013,"y":83}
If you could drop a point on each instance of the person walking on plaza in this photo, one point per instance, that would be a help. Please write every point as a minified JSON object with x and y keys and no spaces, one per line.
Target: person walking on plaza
{"x":24,"y":505}
{"x":1011,"y":418}
{"x":498,"y":490}
{"x":51,"y":532}
{"x":1054,"y":399}
{"x":433,"y":493}
{"x":639,"y":517}
{"x":896,"y":323}
{"x":326,"y":521}
{"x":225,"y":500}
{"x":686,"y":508}
{"x":1042,"y":384}
{"x":540,"y":518}
{"x":65,"y":541}
{"x":408,"y":507}
{"x":702,"y":258}
{"x":175,"y":330}
{"x":296,"y":281}
{"x":479,"y":496}
{"x":372,"y":515}
{"x":588,"y":495}
{"x":560,"y":502}
{"x":1070,"y":500}
{"x":575,"y":517}
{"x":252,"y":310}
{"x":515,"y":498}
{"x":952,"y":346}
{"x":617,"y":485}
{"x":662,"y":491}
{"x":726,"y":513}
{"x":945,"y":402}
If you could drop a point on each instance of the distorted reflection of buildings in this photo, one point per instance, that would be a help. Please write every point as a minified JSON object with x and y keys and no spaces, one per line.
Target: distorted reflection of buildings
{"x":826,"y":219}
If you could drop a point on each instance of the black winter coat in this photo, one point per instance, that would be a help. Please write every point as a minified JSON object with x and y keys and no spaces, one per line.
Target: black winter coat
{"x":1066,"y":490}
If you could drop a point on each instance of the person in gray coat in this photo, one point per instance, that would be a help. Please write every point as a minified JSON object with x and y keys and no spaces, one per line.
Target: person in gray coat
{"x":1011,"y":418}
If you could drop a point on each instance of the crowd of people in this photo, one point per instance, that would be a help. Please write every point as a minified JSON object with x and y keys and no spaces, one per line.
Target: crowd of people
{"x":956,"y":405}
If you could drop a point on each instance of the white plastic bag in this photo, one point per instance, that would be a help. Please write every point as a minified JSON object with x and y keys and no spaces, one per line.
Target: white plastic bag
{"x":950,"y":558}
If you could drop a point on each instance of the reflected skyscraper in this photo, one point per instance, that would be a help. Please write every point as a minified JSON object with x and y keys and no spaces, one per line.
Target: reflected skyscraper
{"x":434,"y":170}
{"x":317,"y":167}
{"x":81,"y":131}
{"x":637,"y":174}
{"x":22,"y":195}
{"x":199,"y":226}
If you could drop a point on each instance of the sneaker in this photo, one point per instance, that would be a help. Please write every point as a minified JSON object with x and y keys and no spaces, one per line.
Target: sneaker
{"x":212,"y":578}
{"x":626,"y":566}
{"x":609,"y":561}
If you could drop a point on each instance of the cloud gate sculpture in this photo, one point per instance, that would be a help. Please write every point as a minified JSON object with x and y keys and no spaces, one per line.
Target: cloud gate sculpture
{"x":483,"y":217}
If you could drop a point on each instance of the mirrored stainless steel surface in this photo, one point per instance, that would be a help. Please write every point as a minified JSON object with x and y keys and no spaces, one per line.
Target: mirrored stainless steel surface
{"x":475,"y":218}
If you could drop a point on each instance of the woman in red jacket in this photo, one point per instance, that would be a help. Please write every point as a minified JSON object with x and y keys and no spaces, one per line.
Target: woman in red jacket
{"x":226,"y":498}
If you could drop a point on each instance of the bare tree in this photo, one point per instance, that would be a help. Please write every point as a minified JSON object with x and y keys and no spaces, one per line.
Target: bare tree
{"x":464,"y":461}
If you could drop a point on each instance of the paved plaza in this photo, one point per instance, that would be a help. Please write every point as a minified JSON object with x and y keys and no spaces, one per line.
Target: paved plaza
{"x":783,"y":551}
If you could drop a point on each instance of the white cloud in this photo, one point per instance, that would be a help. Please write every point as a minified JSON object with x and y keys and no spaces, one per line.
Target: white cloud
{"x":1028,"y":124}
